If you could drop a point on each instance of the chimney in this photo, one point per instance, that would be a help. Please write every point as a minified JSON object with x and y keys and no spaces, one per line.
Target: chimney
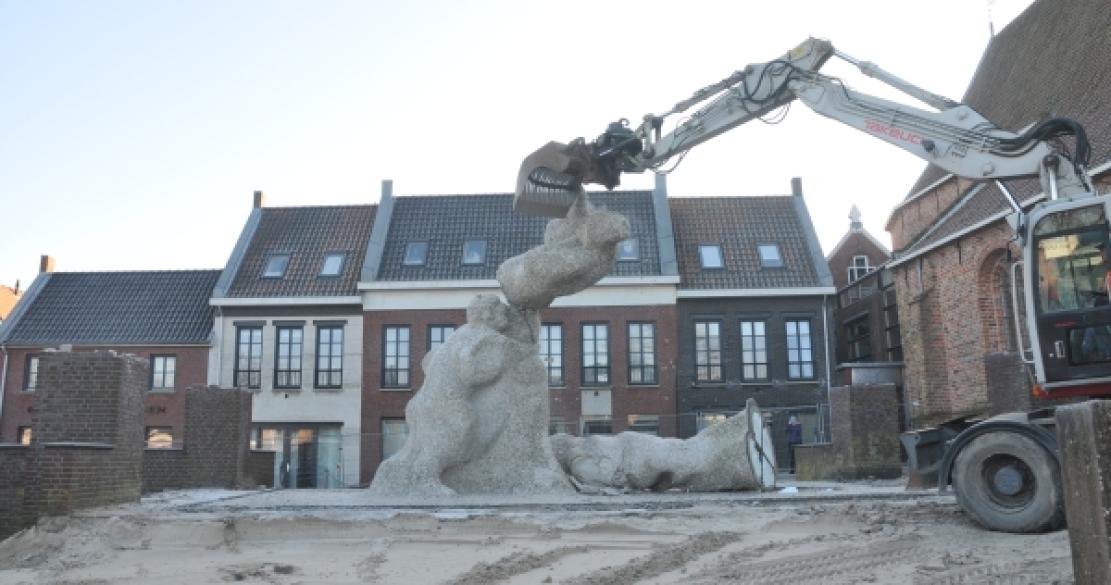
{"x":259,"y":200}
{"x":796,"y":186}
{"x":387,"y":190}
{"x":16,"y":291}
{"x":46,"y":263}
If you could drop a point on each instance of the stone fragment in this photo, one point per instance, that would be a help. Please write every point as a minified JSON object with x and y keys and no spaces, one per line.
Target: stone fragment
{"x":735,"y":454}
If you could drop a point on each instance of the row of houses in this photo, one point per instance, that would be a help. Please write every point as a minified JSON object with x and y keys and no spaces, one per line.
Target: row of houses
{"x":326,"y":312}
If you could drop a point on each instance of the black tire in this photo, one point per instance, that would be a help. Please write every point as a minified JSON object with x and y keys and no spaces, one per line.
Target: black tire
{"x":1035,"y":503}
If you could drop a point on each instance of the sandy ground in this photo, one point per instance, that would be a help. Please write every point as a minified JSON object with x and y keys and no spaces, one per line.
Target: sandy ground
{"x":827,"y":534}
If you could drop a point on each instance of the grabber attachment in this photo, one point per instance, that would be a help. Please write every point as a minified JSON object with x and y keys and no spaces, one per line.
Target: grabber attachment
{"x":550,"y":180}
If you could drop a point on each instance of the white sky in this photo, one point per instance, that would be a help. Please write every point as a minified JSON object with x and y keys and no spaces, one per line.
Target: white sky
{"x":133,"y":133}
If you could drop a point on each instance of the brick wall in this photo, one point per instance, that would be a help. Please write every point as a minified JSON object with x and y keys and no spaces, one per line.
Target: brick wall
{"x":14,"y":483}
{"x":732,"y":393}
{"x":865,"y":433}
{"x":87,"y":447}
{"x":161,"y":409}
{"x":909,"y":220}
{"x":626,"y":399}
{"x":214,"y":452}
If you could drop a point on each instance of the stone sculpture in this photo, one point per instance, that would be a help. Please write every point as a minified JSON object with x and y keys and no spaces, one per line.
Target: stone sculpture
{"x":733,"y":454}
{"x":479,"y":423}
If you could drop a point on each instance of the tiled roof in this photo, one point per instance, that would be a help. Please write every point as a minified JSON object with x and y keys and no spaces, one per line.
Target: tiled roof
{"x":103,"y":308}
{"x":446,"y":221}
{"x":307,"y":234}
{"x":1051,"y":60}
{"x":738,"y":225}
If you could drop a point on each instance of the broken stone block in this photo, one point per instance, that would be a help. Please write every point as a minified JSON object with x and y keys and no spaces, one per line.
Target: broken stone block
{"x":735,"y":454}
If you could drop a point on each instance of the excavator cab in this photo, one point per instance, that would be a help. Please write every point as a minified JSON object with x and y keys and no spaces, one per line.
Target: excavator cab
{"x":1068,"y":308}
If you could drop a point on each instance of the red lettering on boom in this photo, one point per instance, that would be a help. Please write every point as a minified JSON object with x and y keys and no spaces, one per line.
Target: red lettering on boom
{"x":896,"y":133}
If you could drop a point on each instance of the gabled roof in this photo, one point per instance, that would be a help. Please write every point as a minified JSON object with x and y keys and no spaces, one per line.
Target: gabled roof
{"x":738,"y":225}
{"x":114,"y":308}
{"x":307,"y":234}
{"x":1051,"y":60}
{"x":445,"y":222}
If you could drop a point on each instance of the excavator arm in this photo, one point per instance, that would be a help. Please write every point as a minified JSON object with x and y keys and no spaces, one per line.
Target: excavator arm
{"x":955,"y":137}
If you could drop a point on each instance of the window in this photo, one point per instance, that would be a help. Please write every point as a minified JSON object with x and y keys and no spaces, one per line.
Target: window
{"x":416,"y":253}
{"x":551,"y":351}
{"x":23,"y":435}
{"x":248,"y":357}
{"x":333,"y":264}
{"x":557,"y":425}
{"x":628,"y":250}
{"x":1071,"y":271}
{"x":276,"y":265}
{"x":31,"y":374}
{"x":710,"y":256}
{"x":597,"y":425}
{"x":858,"y":339}
{"x":395,"y":366}
{"x":642,"y":353}
{"x":438,"y":334}
{"x":595,"y":344}
{"x":162,"y":370}
{"x":394,"y":433}
{"x":474,"y":252}
{"x":160,"y":437}
{"x":769,"y":256}
{"x":287,"y":363}
{"x":709,"y":419}
{"x":800,"y":354}
{"x":859,"y":268}
{"x":648,"y":424}
{"x":754,"y":350}
{"x":329,"y":356}
{"x":707,"y":351}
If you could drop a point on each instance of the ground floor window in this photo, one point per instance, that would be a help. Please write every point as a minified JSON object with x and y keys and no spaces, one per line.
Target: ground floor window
{"x":648,"y":424}
{"x":558,"y":425}
{"x":597,"y":425}
{"x":160,"y":437}
{"x":306,"y":455}
{"x":394,"y":433}
{"x":23,"y":435}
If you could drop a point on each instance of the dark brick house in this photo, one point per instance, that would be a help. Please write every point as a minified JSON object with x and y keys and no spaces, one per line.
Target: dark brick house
{"x":160,"y":316}
{"x":952,"y":245}
{"x":857,"y":253}
{"x":754,"y":302}
{"x":289,"y":326}
{"x":611,"y":349}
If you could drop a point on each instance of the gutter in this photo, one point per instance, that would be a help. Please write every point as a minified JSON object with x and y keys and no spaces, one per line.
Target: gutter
{"x":3,"y":381}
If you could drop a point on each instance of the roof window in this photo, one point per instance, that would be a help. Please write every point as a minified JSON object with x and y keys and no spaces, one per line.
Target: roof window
{"x":628,"y":250}
{"x":416,"y":253}
{"x":474,"y":252}
{"x":333,"y":264}
{"x":275,"y":266}
{"x":710,"y":256}
{"x":769,"y":256}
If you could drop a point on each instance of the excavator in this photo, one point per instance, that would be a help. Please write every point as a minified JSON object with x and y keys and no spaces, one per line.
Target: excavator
{"x":1004,"y":470}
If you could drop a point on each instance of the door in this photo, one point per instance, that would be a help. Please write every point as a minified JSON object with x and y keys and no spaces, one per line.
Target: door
{"x":305,"y":455}
{"x":1072,"y":257}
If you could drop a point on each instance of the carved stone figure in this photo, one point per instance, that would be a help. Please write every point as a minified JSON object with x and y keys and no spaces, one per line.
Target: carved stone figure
{"x":479,"y":424}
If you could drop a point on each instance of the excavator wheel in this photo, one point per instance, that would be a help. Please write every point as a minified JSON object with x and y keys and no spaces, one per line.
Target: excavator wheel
{"x":1009,"y":483}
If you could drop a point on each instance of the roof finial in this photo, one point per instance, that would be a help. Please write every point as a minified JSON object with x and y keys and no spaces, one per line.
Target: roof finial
{"x":854,"y":220}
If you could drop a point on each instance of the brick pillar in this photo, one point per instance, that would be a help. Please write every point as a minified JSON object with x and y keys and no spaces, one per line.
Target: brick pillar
{"x":1084,"y":433}
{"x":217,"y":433}
{"x":864,"y":420}
{"x":88,"y":425}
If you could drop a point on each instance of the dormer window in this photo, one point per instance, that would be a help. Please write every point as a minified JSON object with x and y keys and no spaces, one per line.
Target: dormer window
{"x":770,"y":256}
{"x":275,"y":266}
{"x":333,"y":264}
{"x":416,"y":253}
{"x":474,"y":252}
{"x":710,"y":256}
{"x":628,"y":250}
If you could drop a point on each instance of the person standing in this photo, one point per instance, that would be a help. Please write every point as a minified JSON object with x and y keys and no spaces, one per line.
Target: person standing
{"x":794,"y":437}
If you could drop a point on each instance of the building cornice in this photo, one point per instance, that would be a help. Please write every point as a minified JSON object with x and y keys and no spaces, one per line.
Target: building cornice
{"x":279,"y":301}
{"x":756,"y":292}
